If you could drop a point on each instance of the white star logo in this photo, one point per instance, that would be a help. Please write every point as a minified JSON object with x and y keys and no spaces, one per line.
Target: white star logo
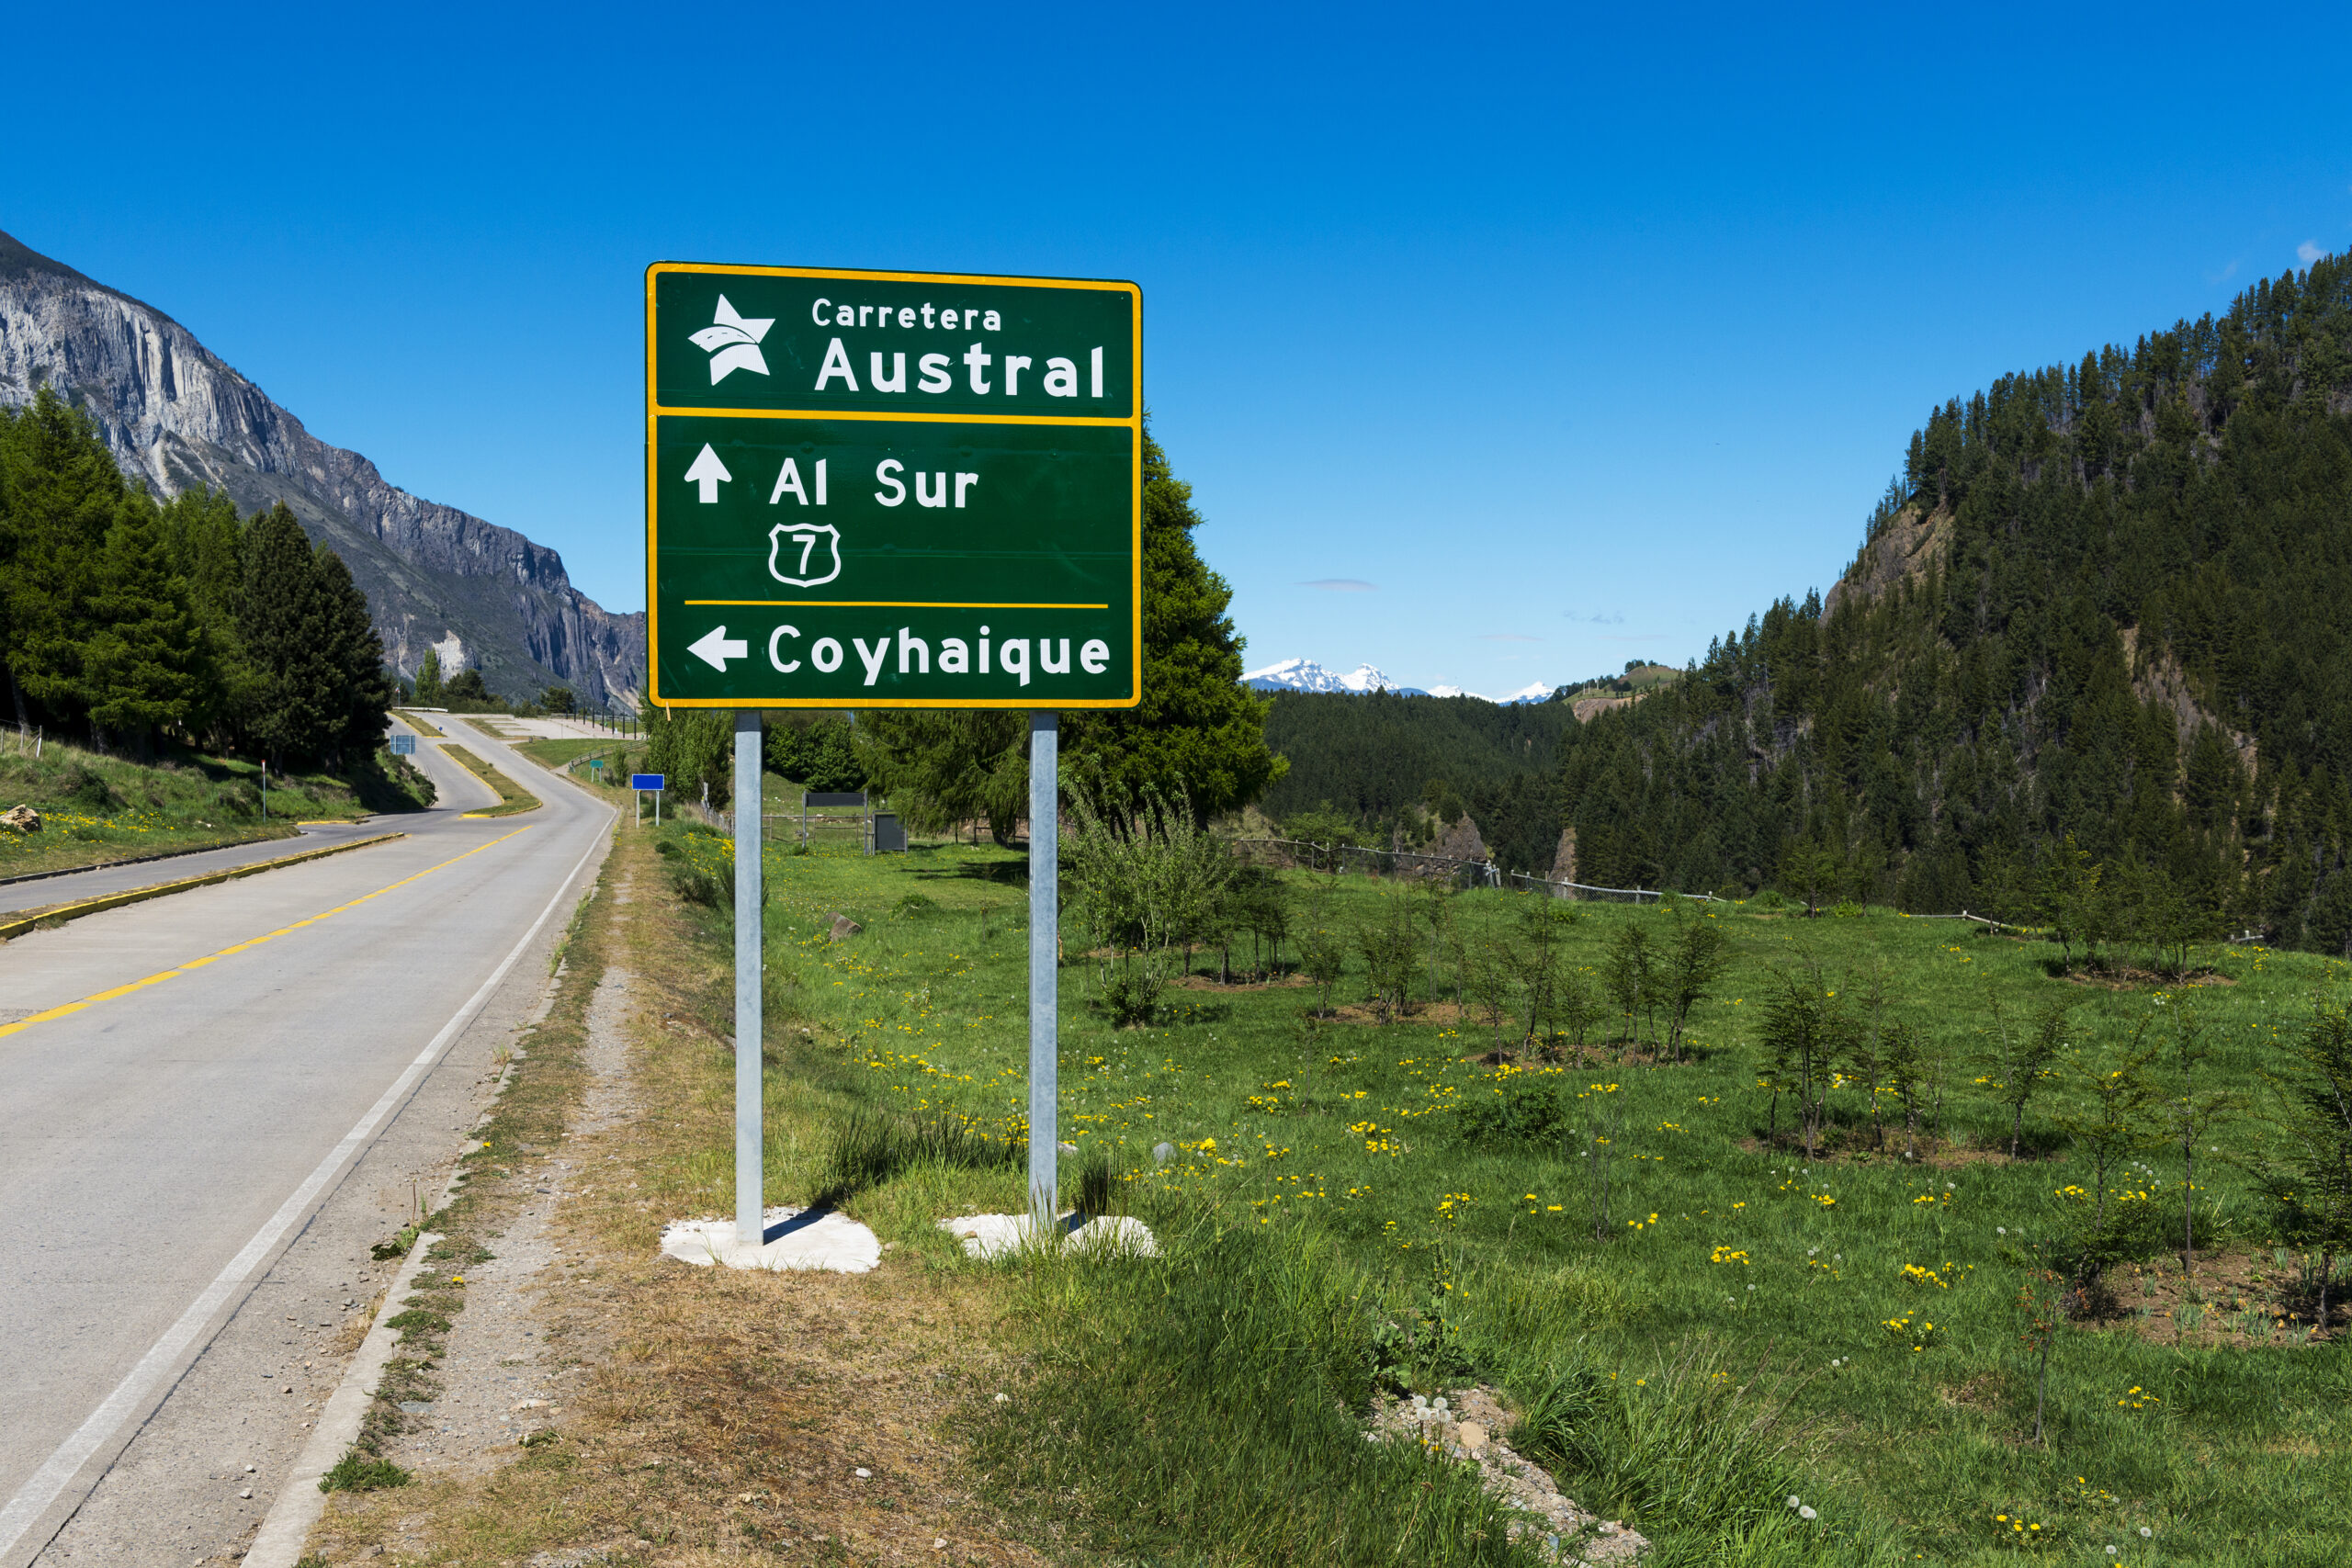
{"x":732,"y":343}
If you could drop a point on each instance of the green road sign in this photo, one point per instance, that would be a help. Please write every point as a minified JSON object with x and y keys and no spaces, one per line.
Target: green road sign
{"x":892,"y":490}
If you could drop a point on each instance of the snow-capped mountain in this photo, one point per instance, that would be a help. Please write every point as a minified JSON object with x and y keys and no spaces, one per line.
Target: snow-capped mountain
{"x":1306,"y":675}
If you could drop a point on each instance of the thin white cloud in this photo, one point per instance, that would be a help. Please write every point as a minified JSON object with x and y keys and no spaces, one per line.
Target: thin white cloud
{"x":1598,"y":619}
{"x":1341,"y":585}
{"x":2309,"y":251}
{"x":1507,"y":637}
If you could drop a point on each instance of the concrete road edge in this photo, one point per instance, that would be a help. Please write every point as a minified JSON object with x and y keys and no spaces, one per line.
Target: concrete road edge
{"x":300,"y":1502}
{"x":11,"y":930}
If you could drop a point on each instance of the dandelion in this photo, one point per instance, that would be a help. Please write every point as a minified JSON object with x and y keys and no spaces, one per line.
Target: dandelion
{"x":1793,"y":1500}
{"x":2147,"y":1534}
{"x":1807,"y":1514}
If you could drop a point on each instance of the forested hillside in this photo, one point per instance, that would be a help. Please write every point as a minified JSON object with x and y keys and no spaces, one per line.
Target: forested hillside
{"x":125,"y":622}
{"x":2107,"y":602}
{"x":1374,"y":758}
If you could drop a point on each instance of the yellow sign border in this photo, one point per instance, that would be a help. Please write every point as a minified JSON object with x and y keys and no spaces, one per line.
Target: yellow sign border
{"x":655,"y":412}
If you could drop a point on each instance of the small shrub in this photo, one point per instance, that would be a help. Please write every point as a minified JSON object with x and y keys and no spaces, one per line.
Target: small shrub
{"x":915,"y":907}
{"x":356,"y":1472}
{"x":1521,"y":1109}
{"x":1129,"y":996}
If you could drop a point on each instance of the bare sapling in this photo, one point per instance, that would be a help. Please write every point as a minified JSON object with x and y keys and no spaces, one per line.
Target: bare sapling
{"x":1696,"y":960}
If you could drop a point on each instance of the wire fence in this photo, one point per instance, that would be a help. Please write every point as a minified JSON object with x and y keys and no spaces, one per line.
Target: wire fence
{"x":1339,"y":859}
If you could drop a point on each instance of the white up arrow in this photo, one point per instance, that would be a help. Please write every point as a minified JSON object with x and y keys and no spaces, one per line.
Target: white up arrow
{"x":715,"y":648}
{"x":707,"y":472}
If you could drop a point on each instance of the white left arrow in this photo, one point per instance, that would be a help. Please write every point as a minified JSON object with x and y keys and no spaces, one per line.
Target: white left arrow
{"x":707,"y":472}
{"x":716,"y":647}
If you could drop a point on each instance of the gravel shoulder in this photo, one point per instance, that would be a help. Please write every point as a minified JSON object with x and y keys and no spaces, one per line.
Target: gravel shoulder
{"x":588,"y":1401}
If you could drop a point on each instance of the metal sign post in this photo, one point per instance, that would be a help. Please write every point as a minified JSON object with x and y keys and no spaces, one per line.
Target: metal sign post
{"x":893,"y":490}
{"x":1045,"y":964}
{"x":642,"y":782}
{"x":750,"y":1146}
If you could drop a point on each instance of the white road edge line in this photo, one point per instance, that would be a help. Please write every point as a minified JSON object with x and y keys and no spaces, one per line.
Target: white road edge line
{"x":131,"y":1394}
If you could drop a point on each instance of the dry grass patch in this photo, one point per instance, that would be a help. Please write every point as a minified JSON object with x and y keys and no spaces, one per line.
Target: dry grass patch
{"x":713,"y":1415}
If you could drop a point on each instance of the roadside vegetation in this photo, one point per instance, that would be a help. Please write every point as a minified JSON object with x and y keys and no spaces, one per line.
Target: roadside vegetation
{"x":97,"y":809}
{"x":1734,"y":1205}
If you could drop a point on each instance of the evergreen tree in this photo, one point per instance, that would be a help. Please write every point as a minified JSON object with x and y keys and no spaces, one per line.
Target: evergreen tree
{"x":59,"y":492}
{"x":691,"y":748}
{"x":941,"y":770}
{"x":428,"y":679}
{"x":818,"y":750}
{"x":289,"y":638}
{"x":203,"y":541}
{"x":144,"y":662}
{"x":359,"y":701}
{"x":1199,"y":734}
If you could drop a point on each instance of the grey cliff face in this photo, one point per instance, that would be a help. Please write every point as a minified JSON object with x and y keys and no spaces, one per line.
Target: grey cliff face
{"x":173,"y":415}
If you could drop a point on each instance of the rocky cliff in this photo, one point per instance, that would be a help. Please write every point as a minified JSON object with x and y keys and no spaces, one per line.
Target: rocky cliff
{"x":174,"y":415}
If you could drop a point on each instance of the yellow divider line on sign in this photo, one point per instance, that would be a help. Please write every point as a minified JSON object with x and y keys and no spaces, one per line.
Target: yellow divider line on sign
{"x":194,"y":964}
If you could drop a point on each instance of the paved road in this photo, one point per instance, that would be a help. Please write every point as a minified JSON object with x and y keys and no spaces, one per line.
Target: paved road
{"x":214,"y":1102}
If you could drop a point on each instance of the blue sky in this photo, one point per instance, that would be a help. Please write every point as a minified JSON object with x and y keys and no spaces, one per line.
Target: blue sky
{"x":1498,"y":345}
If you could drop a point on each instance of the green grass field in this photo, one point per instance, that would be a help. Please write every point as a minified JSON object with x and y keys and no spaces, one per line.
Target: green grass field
{"x":1747,"y":1324}
{"x":97,"y":808}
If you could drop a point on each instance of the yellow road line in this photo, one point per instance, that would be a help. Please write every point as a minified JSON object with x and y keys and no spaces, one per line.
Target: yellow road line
{"x":194,"y":964}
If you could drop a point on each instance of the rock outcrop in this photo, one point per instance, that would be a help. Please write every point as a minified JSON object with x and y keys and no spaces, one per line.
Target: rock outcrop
{"x":174,"y":415}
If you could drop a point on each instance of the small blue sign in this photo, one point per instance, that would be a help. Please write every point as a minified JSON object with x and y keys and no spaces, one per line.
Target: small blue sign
{"x":404,"y":744}
{"x":647,"y":780}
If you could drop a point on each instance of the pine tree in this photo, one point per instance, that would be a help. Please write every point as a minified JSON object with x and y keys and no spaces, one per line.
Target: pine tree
{"x":143,"y":665}
{"x":59,"y":491}
{"x":428,"y":679}
{"x":1199,"y":734}
{"x":202,"y":537}
{"x":941,"y":770}
{"x":359,"y":701}
{"x":288,"y":639}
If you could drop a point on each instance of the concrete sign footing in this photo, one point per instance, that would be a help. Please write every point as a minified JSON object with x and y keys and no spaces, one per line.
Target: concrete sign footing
{"x":993,"y":1237}
{"x":797,"y":1238}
